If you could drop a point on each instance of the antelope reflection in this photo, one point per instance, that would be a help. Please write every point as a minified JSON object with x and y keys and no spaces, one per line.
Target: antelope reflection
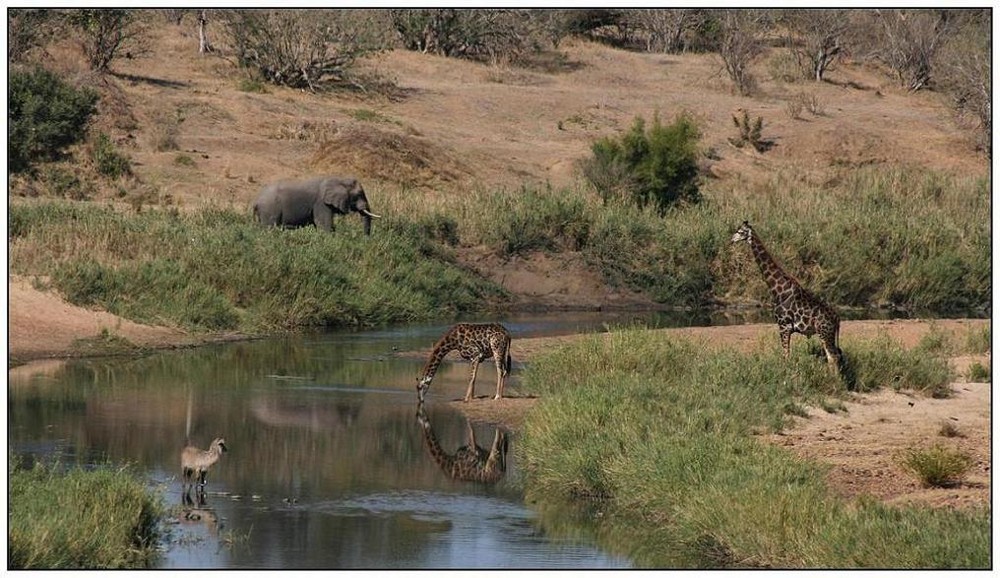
{"x":196,"y":511}
{"x":470,"y":462}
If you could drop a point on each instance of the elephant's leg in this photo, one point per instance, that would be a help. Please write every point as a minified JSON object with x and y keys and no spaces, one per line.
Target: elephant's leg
{"x":472,"y":382}
{"x":323,"y":217}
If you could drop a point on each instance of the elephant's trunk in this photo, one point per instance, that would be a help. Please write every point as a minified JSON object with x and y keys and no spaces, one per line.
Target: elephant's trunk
{"x":367,"y":217}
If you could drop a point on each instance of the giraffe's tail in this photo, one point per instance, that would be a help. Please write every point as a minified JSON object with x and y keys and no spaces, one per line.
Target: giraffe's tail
{"x":507,"y":364}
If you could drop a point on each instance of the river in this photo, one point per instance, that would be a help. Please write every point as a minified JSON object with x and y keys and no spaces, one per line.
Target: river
{"x":327,"y":465}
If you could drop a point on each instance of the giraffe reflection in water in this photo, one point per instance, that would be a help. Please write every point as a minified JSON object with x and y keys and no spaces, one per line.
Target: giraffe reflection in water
{"x":471,"y":462}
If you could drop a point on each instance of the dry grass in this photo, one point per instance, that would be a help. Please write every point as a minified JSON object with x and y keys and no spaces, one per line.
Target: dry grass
{"x":465,"y":125}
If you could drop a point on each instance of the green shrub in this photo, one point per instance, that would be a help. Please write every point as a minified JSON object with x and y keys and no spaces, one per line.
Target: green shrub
{"x":749,"y":133}
{"x":108,"y":161}
{"x":504,"y":35}
{"x":655,"y":167}
{"x":540,"y":221}
{"x":937,"y":467}
{"x":883,"y":363}
{"x":184,"y":161}
{"x":45,"y":116}
{"x":977,"y":340}
{"x":979,"y":373}
{"x":62,"y":182}
{"x":251,"y":84}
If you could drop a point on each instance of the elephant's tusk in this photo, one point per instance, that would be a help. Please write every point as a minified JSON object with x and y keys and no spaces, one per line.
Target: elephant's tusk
{"x":368,"y":213}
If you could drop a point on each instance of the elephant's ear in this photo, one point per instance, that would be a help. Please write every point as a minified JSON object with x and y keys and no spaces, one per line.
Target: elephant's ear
{"x":337,"y":193}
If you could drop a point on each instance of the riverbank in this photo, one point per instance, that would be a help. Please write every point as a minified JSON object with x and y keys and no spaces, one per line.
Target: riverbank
{"x":667,"y":439}
{"x":858,"y":443}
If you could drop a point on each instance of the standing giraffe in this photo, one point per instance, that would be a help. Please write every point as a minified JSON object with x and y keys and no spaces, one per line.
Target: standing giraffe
{"x":469,"y":463}
{"x":795,"y":309}
{"x":476,"y":342}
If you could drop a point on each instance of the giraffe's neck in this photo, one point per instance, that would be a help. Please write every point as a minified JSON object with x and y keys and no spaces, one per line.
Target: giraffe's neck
{"x":442,"y":349}
{"x":777,"y":280}
{"x":442,"y":458}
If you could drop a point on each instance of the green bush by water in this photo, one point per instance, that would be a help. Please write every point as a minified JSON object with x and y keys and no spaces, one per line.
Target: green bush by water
{"x":104,"y":518}
{"x":217,"y":270}
{"x":659,"y":432}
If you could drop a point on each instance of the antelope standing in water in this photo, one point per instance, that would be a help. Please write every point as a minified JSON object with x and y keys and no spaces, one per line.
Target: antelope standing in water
{"x":195,"y":462}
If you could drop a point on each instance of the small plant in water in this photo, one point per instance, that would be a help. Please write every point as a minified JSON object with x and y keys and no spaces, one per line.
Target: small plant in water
{"x":937,"y":467}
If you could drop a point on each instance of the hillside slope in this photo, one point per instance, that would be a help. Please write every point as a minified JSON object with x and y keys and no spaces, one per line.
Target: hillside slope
{"x":461,"y":124}
{"x":197,"y":138}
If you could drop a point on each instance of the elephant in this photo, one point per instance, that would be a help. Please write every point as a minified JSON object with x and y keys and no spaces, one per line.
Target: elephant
{"x":292,"y":204}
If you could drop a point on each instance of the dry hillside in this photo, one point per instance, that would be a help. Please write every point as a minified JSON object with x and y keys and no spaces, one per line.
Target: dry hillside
{"x":458,"y":124}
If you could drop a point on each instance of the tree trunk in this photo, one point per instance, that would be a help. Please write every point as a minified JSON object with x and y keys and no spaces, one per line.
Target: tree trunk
{"x":203,"y":44}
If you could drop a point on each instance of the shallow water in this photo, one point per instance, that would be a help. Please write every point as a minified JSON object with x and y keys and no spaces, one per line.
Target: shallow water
{"x":327,"y":466}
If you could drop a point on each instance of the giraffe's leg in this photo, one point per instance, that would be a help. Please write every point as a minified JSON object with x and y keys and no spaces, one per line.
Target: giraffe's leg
{"x":833,"y":353}
{"x":472,"y":382}
{"x":786,"y":339}
{"x":501,"y":376}
{"x":471,"y":433}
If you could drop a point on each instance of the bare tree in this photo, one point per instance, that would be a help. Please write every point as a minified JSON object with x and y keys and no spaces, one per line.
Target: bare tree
{"x":203,"y":44}
{"x":107,"y":34}
{"x":301,"y":48}
{"x":664,"y":30}
{"x":740,"y":45}
{"x":965,"y":72}
{"x":27,"y":29}
{"x":819,"y":37}
{"x":910,"y":39}
{"x":495,"y":34}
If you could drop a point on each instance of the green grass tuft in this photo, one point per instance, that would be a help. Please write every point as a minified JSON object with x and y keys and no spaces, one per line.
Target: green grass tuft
{"x":78,"y":519}
{"x":937,"y":466}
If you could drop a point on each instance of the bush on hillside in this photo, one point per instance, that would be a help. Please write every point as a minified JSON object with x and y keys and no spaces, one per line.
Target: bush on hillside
{"x":497,"y":35}
{"x":45,"y":115}
{"x":312,"y":49}
{"x":657,"y":166}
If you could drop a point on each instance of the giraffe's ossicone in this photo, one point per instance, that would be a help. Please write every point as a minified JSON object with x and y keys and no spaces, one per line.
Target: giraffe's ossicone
{"x":475,"y":342}
{"x":795,"y":309}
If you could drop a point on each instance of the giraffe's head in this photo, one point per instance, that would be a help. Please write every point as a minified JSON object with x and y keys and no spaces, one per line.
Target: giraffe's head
{"x":423,"y":383}
{"x":744,"y":233}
